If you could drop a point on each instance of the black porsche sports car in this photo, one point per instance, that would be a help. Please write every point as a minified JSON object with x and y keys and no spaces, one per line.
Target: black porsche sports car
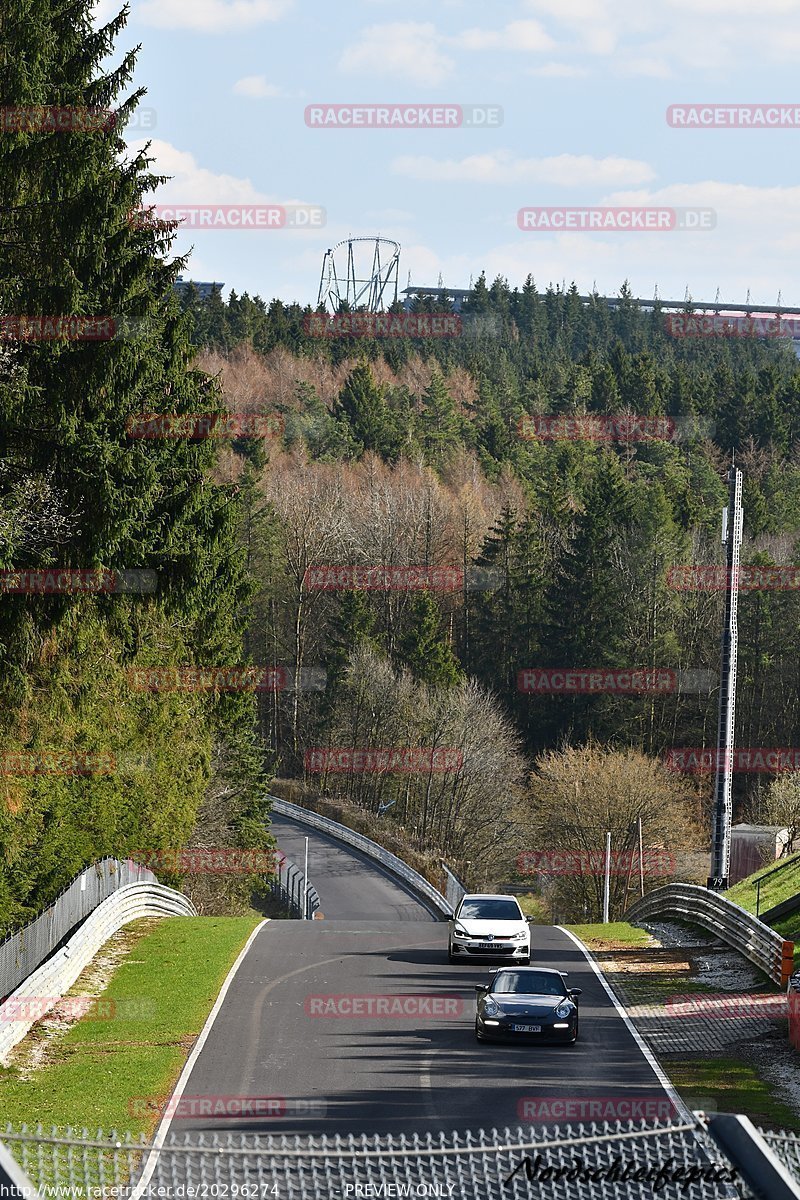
{"x":526,"y":1003}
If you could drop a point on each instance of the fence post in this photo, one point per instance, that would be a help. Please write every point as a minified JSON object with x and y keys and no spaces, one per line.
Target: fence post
{"x":758,"y":1166}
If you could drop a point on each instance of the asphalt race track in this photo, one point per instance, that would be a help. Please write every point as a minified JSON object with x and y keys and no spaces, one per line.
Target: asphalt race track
{"x":276,"y":1061}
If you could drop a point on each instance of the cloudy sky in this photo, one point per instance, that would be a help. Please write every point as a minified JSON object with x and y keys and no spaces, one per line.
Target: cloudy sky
{"x":584,"y":87}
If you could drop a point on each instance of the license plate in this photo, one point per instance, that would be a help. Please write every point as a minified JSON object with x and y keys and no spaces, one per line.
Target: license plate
{"x":486,"y":946}
{"x":527,"y":1028}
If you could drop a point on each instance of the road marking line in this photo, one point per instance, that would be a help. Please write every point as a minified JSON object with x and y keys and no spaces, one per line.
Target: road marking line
{"x":183,"y":1079}
{"x":663,"y":1078}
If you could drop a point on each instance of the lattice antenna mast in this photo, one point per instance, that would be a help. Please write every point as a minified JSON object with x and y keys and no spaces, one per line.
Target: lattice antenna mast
{"x":732,"y":522}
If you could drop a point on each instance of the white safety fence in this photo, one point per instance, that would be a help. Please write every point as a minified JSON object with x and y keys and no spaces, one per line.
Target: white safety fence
{"x":42,"y":990}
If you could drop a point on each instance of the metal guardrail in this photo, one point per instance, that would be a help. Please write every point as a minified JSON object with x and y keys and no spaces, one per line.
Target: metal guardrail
{"x":23,"y":951}
{"x":765,"y":948}
{"x":42,"y":990}
{"x":289,"y":886}
{"x":390,"y":862}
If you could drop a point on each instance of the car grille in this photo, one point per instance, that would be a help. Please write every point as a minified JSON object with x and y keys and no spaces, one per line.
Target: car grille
{"x":494,"y":950}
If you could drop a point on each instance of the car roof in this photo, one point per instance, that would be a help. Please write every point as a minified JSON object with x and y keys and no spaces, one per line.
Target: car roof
{"x":486,"y":896}
{"x":531,"y":970}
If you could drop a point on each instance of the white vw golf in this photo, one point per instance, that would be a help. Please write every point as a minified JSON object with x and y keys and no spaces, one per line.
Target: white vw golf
{"x":486,"y":926}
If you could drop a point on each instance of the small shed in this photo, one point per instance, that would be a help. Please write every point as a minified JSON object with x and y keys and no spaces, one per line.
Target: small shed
{"x":753,"y":847}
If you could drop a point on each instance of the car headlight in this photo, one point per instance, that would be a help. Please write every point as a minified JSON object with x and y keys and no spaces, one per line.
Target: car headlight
{"x":491,"y":1009}
{"x":563,"y":1011}
{"x":522,"y":936}
{"x":459,"y":932}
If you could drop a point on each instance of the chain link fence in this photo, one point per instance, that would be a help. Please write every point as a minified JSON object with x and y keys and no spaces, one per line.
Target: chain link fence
{"x":25,"y":950}
{"x":568,"y":1163}
{"x":454,"y":888}
{"x":289,"y":888}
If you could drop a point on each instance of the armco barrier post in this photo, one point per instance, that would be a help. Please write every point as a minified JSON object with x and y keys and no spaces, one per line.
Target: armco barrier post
{"x":787,"y":963}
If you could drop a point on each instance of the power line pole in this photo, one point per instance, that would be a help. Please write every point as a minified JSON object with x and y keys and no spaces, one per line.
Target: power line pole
{"x":732,"y":521}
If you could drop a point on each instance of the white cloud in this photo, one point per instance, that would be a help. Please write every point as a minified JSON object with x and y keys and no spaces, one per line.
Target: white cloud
{"x":190,"y":183}
{"x":501,"y":167}
{"x":256,"y":88}
{"x":518,"y":35}
{"x":211,"y":16}
{"x":656,"y":39}
{"x":403,"y":50}
{"x":557,"y":70}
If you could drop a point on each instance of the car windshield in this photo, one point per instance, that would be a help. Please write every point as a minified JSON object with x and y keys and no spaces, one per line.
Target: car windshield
{"x":530,"y":983}
{"x":489,"y":910}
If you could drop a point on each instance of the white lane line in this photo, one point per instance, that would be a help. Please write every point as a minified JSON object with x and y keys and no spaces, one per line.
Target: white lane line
{"x":174,"y":1099}
{"x":663,"y":1078}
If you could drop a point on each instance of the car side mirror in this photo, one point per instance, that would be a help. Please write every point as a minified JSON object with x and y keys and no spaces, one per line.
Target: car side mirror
{"x":481,"y":987}
{"x":573,"y":993}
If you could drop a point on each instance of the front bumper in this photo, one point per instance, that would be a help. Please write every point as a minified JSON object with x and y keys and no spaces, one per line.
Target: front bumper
{"x":504,"y":1032}
{"x":508,"y":950}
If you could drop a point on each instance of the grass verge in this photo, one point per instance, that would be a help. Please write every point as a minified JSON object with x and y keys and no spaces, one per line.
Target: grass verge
{"x":114,"y":1073}
{"x":613,"y":936}
{"x":779,"y":882}
{"x":733,"y":1086}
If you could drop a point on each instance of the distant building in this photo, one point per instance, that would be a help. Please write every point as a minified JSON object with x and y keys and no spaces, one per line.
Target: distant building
{"x":754,"y":847}
{"x":204,"y":290}
{"x":457,"y":295}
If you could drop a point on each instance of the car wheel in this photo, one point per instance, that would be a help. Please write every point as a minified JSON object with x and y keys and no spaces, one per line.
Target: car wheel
{"x":478,"y":1037}
{"x":451,"y":958}
{"x":574,"y":1040}
{"x":525,"y":962}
